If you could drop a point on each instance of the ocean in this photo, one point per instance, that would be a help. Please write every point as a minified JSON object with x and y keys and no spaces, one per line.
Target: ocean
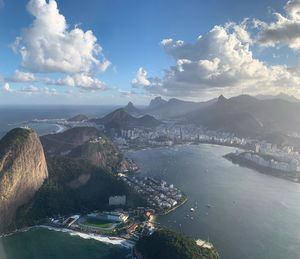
{"x":41,"y":243}
{"x":16,"y":116}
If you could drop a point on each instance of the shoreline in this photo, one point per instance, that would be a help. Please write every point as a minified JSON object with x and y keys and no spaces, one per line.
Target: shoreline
{"x":174,"y":208}
{"x":100,"y":238}
{"x":182,"y":144}
{"x":289,"y":176}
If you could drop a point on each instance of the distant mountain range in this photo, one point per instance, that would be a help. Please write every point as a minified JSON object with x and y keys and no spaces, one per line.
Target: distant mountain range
{"x":248,"y":116}
{"x":282,"y":96}
{"x":174,"y":108}
{"x":243,"y":115}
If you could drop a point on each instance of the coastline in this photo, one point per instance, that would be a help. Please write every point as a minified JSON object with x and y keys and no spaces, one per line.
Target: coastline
{"x":174,"y":208}
{"x":134,"y":149}
{"x":101,"y":238}
{"x":293,"y":177}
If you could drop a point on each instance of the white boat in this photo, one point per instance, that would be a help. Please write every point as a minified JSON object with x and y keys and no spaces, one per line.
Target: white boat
{"x":192,"y":209}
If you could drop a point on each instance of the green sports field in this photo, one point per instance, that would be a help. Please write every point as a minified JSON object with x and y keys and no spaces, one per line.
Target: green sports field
{"x":98,"y":223}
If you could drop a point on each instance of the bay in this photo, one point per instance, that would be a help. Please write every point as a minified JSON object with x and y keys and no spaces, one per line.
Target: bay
{"x":251,"y":215}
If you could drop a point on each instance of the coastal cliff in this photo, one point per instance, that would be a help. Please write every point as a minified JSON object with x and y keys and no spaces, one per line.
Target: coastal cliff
{"x":23,"y":170}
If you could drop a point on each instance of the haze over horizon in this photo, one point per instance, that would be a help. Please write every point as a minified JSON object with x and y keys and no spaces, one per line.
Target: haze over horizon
{"x":54,"y":53}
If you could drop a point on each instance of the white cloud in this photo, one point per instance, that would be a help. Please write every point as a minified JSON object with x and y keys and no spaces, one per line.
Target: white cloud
{"x":31,"y":89}
{"x":218,"y":61}
{"x":20,"y":76}
{"x":48,"y":45}
{"x":6,"y":88}
{"x":2,"y":4}
{"x":81,"y":80}
{"x":140,"y":79}
{"x":104,"y":65}
{"x":285,"y":30}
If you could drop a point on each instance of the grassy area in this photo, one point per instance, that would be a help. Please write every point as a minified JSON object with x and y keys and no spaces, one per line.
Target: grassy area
{"x":98,"y":223}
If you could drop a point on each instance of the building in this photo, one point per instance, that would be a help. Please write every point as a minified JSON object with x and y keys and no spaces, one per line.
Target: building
{"x":117,"y":200}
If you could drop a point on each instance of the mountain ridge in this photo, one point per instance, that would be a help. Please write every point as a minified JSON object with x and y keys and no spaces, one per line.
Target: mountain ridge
{"x":121,"y":119}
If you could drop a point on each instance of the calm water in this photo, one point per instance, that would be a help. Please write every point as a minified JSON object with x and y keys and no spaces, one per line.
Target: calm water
{"x":46,"y":244}
{"x":12,"y":116}
{"x":252,"y":215}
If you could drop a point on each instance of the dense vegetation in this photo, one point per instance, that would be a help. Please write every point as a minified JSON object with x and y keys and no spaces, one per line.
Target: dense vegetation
{"x":166,"y":244}
{"x":62,"y":193}
{"x":103,"y":154}
{"x":62,"y":142}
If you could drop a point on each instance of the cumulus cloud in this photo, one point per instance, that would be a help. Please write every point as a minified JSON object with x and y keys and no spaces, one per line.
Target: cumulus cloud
{"x":220,"y":59}
{"x":48,"y":45}
{"x":81,"y":80}
{"x":21,"y":76}
{"x":140,"y":79}
{"x":285,"y":29}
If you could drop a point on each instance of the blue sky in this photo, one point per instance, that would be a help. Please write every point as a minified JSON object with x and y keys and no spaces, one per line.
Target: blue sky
{"x":140,"y":66}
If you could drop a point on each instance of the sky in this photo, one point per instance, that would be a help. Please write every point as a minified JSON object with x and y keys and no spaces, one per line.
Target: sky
{"x":111,"y":52}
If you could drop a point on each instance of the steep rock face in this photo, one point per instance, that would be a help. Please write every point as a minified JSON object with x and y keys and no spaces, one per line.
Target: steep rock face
{"x":23,"y":170}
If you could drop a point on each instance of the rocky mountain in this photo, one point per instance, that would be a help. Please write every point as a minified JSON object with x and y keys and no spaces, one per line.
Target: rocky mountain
{"x":157,"y":102}
{"x":132,"y":110}
{"x":23,"y":170}
{"x":121,"y":119}
{"x":64,"y":142}
{"x":79,"y":118}
{"x":248,"y":116}
{"x":174,"y":108}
